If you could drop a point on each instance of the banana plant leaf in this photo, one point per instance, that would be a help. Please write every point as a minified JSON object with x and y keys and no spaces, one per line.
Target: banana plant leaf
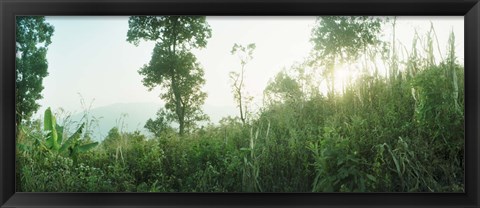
{"x":72,"y":139}
{"x":86,"y":147}
{"x":59,"y":134}
{"x":49,"y":126}
{"x":48,"y":120}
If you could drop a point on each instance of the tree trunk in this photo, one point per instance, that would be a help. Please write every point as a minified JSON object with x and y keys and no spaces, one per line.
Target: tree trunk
{"x":178,"y":106}
{"x":241,"y":106}
{"x":176,"y":93}
{"x":240,"y":96}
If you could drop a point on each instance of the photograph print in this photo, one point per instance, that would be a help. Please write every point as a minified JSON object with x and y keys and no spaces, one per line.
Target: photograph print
{"x":240,"y":104}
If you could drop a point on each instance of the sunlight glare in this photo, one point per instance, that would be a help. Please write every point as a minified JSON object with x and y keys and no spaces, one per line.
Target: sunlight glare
{"x":343,"y":75}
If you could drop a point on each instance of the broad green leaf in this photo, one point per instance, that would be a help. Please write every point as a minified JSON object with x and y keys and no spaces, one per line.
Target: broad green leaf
{"x":48,"y":120}
{"x":71,"y":140}
{"x":66,"y":145}
{"x":49,"y":125}
{"x":86,"y":147}
{"x":371,"y":177}
{"x":55,"y":143}
{"x":59,"y":134}
{"x":49,"y":140}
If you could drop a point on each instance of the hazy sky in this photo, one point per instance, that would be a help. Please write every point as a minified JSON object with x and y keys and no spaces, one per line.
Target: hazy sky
{"x":90,"y":56}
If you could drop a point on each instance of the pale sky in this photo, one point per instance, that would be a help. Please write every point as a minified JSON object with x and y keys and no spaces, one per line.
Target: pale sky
{"x":90,"y":56}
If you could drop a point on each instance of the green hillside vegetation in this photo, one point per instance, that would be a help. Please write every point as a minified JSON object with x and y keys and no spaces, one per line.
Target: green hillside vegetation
{"x":402,"y":131}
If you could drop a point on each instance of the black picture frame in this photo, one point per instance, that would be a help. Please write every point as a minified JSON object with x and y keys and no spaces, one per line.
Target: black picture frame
{"x":470,"y":9}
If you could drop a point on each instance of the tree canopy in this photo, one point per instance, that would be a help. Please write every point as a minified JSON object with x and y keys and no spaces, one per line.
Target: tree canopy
{"x":33,"y":35}
{"x":172,"y":66}
{"x":340,"y":39}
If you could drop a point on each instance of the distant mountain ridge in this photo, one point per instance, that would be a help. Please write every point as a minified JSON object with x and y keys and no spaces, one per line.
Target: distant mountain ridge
{"x":130,"y":117}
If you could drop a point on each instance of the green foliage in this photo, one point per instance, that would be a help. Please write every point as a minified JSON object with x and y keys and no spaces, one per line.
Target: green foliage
{"x":159,"y":125}
{"x":283,"y":89}
{"x":71,"y":147}
{"x":341,"y":39}
{"x":33,"y":36}
{"x":173,"y":66}
{"x":334,"y":154}
{"x":345,"y":37}
{"x":402,"y":132}
{"x":50,"y":126}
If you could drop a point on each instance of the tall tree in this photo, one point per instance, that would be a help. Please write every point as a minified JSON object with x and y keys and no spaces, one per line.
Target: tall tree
{"x":33,"y":35}
{"x":173,"y":66}
{"x":245,"y":54}
{"x":283,"y":88}
{"x":339,"y":39}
